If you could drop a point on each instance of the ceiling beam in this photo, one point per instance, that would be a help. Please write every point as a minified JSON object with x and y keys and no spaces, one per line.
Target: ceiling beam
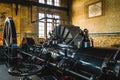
{"x":32,"y":3}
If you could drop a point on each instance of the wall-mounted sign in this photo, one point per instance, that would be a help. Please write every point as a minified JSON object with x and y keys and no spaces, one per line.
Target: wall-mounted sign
{"x":95,"y":9}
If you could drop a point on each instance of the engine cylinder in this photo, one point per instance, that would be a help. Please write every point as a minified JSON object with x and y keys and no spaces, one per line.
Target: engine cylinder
{"x":92,"y":60}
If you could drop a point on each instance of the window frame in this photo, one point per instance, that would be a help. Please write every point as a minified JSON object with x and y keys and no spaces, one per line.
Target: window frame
{"x":41,"y":1}
{"x":52,"y":22}
{"x":53,"y":2}
{"x":42,"y":22}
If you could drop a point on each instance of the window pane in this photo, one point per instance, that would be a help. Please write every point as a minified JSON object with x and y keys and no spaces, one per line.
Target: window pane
{"x":49,"y":2}
{"x":49,"y":16}
{"x":41,"y":25}
{"x":49,"y":28}
{"x":41,"y":29}
{"x":41,"y":1}
{"x":41,"y":15}
{"x":56,"y":2}
{"x":57,"y":18}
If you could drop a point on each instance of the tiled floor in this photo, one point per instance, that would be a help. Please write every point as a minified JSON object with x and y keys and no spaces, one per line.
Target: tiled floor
{"x":4,"y":75}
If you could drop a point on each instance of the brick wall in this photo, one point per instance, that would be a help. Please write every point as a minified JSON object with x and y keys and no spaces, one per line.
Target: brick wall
{"x":106,"y":40}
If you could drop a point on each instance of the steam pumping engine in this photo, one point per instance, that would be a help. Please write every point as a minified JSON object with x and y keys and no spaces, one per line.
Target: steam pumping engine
{"x":68,"y":54}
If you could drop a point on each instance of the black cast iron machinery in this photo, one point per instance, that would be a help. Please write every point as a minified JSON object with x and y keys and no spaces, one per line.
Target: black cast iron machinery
{"x":13,"y":60}
{"x":61,"y":58}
